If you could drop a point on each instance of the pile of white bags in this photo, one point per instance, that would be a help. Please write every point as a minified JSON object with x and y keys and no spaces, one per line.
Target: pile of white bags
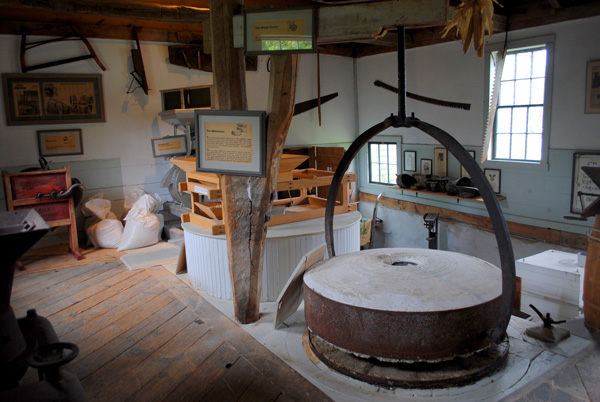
{"x":103,"y":228}
{"x":142,"y":226}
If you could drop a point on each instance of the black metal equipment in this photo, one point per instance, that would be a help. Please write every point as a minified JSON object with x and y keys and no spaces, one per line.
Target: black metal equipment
{"x":30,"y":341}
{"x":507,"y":260}
{"x":431,"y":223}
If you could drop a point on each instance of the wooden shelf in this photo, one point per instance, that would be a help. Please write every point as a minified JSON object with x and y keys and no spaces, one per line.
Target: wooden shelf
{"x":457,"y":198}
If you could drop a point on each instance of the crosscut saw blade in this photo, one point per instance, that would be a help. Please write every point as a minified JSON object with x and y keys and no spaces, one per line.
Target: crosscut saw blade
{"x":489,"y":127}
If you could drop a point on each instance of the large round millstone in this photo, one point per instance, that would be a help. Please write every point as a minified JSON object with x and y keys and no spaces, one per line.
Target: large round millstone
{"x":404,"y":304}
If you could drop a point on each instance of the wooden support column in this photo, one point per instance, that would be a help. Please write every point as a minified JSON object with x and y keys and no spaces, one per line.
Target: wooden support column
{"x":247,"y":200}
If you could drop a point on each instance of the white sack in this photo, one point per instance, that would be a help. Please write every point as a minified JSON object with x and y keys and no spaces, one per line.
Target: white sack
{"x":106,"y":233}
{"x":140,"y":231}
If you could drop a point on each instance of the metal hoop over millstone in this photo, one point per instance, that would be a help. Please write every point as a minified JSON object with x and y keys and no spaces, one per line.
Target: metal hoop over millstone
{"x":439,"y":333}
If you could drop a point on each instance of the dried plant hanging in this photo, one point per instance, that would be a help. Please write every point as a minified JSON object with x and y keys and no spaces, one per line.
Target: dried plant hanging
{"x":472,"y":19}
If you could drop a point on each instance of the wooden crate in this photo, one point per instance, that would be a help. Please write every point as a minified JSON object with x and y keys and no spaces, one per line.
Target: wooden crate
{"x":209,"y":215}
{"x":22,"y":190}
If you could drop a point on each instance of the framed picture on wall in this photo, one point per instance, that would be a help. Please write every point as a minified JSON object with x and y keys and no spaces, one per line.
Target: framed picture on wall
{"x":592,"y":87}
{"x":60,"y":142}
{"x":169,"y":146}
{"x":583,"y":189}
{"x":426,"y":166}
{"x":440,"y":162}
{"x":410,"y":161}
{"x":463,"y":171}
{"x":33,"y":99}
{"x":230,"y":142}
{"x":493,"y":176}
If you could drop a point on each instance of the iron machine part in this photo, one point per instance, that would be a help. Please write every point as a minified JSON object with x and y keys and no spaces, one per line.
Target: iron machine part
{"x":31,"y":340}
{"x":431,"y":223}
{"x":497,"y":332}
{"x":492,"y":319}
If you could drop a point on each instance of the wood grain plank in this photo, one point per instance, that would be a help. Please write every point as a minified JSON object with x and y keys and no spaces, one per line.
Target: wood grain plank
{"x":234,"y":382}
{"x":25,"y":286}
{"x":61,"y":289}
{"x":105,"y":335}
{"x":88,"y":298}
{"x":155,"y":362}
{"x":261,"y":389}
{"x":159,"y":387}
{"x":84,"y":366}
{"x":283,"y":376}
{"x":108,"y":311}
{"x":195,"y":386}
{"x":105,"y":378}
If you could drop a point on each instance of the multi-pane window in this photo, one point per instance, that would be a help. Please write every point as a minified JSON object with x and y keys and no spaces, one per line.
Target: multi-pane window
{"x":383,"y":162}
{"x":519,"y":124}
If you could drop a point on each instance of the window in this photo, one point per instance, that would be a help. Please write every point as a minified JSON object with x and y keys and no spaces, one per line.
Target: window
{"x":383,"y":162}
{"x":521,"y":126}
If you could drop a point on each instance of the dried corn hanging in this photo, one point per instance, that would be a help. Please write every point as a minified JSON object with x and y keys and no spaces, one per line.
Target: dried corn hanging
{"x":472,"y":19}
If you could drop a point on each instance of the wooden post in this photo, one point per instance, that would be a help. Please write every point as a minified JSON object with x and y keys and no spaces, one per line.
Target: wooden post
{"x":247,"y":200}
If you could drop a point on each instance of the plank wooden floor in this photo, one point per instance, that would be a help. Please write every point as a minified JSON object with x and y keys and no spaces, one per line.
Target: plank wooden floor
{"x":146,"y":336}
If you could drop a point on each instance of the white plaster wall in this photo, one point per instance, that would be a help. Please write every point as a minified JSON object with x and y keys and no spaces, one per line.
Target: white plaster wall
{"x":444,"y":72}
{"x":117,"y":153}
{"x":131,"y":119}
{"x":406,"y":229}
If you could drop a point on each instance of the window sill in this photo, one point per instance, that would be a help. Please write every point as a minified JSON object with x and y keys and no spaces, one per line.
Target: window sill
{"x":515,"y":165}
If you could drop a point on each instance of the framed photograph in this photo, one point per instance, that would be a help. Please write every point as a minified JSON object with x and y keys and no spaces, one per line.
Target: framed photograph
{"x":280,"y":31}
{"x":440,"y":162}
{"x":426,"y":166}
{"x":592,"y":87}
{"x":31,"y":99}
{"x":583,"y":190}
{"x":169,"y":146}
{"x":493,"y":176}
{"x":463,"y":171}
{"x":60,"y":142}
{"x":410,"y":161}
{"x":230,"y":142}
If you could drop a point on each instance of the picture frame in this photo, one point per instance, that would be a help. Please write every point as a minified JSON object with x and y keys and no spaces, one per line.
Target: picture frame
{"x":583,"y":189}
{"x":440,"y":162}
{"x":31,"y":99}
{"x":60,"y":142}
{"x":280,"y":31}
{"x":169,"y":146}
{"x":494,"y":177}
{"x":426,"y":167}
{"x":463,"y":171}
{"x":230,"y":142}
{"x":592,"y":87}
{"x":410,"y":161}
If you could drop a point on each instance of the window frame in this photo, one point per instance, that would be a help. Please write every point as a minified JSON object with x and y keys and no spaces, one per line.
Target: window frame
{"x":387,"y":141}
{"x":548,"y":43}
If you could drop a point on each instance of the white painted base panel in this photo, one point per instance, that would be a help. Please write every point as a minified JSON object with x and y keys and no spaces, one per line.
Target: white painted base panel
{"x":208,"y":264}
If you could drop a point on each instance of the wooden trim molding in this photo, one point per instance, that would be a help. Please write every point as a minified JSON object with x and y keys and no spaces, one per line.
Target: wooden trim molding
{"x":559,"y":237}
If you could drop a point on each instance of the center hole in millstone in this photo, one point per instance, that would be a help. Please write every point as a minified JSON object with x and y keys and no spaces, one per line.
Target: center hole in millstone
{"x":403,"y":263}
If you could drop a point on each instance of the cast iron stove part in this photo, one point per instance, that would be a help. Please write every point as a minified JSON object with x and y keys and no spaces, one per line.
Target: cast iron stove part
{"x":546,"y":332}
{"x":431,"y":223}
{"x":49,"y":358}
{"x":60,"y":195}
{"x":507,"y":260}
{"x":547,"y":320}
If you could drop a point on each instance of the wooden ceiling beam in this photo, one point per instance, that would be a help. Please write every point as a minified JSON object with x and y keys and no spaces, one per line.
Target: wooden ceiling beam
{"x":120,"y":9}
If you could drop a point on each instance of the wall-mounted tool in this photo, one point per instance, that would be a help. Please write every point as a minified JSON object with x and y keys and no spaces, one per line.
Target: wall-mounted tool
{"x":25,"y":46}
{"x":431,"y":223}
{"x":138,"y":73}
